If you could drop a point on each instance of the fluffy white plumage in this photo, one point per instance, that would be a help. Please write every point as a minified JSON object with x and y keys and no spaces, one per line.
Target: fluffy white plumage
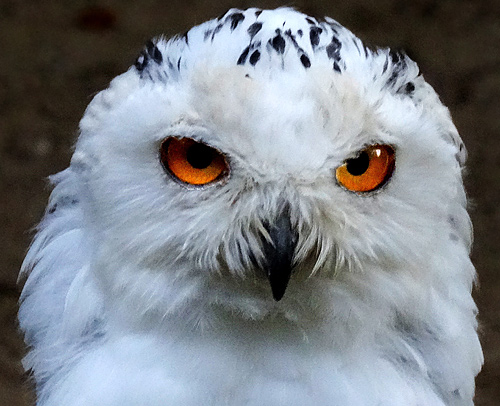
{"x":143,"y":291}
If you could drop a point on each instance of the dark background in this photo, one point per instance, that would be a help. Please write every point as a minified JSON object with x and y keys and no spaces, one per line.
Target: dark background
{"x":55,"y":55}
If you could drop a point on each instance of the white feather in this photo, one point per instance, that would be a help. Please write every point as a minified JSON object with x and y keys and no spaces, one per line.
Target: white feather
{"x":142,"y":291}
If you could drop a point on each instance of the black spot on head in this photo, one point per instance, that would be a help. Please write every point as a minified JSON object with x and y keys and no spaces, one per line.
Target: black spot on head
{"x":254,"y":29}
{"x":141,"y":62}
{"x":289,"y":34}
{"x":396,"y":56}
{"x":399,"y":65}
{"x":333,"y":49}
{"x":386,"y":64}
{"x":278,"y":43}
{"x":254,"y":58}
{"x":300,"y":33}
{"x":334,"y":26}
{"x":392,"y":79}
{"x":310,"y":21}
{"x":169,"y":63}
{"x":305,"y":61}
{"x":258,"y":13}
{"x":314,"y":35}
{"x":243,"y":57}
{"x":185,"y":37}
{"x":355,"y":42}
{"x":216,"y":30}
{"x":150,"y":48}
{"x":149,"y":53}
{"x":236,"y":19}
{"x":336,"y":67}
{"x":157,"y":56}
{"x":409,"y":88}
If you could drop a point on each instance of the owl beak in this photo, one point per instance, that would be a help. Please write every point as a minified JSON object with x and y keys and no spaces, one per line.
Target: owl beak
{"x":278,"y":253}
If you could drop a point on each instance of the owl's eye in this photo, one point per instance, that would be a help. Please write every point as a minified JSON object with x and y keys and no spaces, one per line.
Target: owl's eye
{"x":369,"y":170}
{"x":192,"y":162}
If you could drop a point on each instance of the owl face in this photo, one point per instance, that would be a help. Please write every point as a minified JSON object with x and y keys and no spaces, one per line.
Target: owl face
{"x":269,"y":163}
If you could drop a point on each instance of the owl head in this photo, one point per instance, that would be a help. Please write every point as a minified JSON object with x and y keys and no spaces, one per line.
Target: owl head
{"x":268,"y":164}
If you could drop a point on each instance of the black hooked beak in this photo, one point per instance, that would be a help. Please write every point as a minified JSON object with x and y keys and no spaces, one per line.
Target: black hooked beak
{"x":278,"y":253}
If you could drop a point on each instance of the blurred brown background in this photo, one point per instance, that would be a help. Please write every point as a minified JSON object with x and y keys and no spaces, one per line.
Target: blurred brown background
{"x":56,"y":54}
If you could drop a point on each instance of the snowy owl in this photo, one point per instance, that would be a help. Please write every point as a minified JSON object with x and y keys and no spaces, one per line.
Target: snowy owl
{"x":261,"y":212}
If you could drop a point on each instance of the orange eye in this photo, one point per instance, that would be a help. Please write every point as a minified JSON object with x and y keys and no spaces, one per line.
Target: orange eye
{"x":369,"y":170}
{"x":192,"y":162}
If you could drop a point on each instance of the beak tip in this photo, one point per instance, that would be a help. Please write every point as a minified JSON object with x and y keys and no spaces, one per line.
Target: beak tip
{"x":278,"y":288}
{"x":278,"y":297}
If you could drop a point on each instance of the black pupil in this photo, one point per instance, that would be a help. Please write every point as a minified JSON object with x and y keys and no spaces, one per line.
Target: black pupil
{"x":200,"y":156}
{"x":358,"y":166}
